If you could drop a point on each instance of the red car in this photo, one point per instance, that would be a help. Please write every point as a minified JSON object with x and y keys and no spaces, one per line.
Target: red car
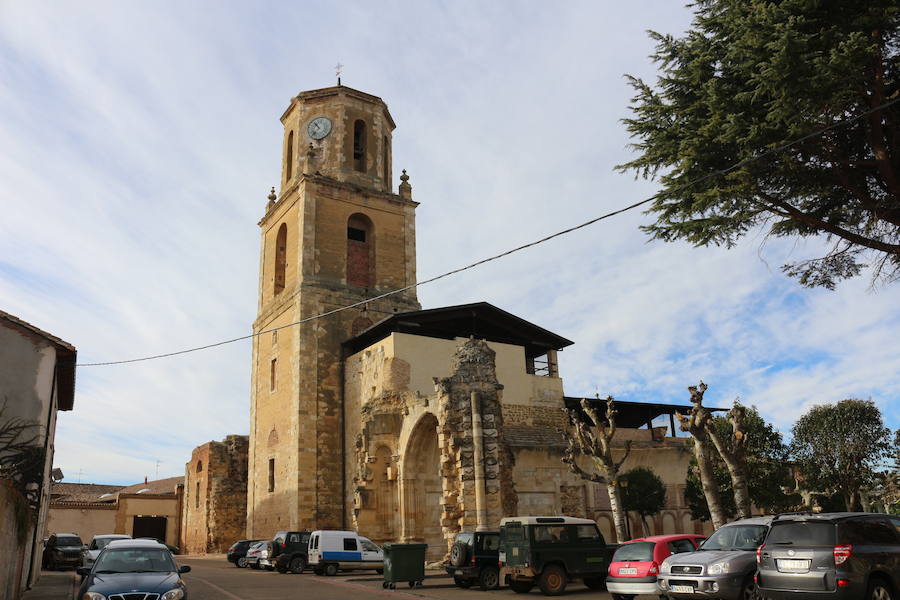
{"x":635,"y":564}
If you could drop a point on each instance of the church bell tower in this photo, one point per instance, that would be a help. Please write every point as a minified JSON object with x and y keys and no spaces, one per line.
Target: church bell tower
{"x":335,"y":235}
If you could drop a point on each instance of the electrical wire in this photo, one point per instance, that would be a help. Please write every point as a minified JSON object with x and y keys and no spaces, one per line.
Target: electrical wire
{"x":542,"y":240}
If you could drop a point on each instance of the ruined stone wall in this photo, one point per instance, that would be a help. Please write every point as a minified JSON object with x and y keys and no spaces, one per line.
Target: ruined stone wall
{"x":215,"y":506}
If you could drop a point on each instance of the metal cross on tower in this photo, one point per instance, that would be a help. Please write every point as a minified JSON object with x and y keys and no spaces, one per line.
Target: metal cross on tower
{"x":338,"y":68}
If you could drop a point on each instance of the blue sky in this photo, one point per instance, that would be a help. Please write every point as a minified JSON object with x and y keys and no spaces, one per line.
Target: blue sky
{"x":142,"y":138}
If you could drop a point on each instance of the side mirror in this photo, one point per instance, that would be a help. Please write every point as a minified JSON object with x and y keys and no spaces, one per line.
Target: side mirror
{"x":83,"y":571}
{"x":184,"y":569}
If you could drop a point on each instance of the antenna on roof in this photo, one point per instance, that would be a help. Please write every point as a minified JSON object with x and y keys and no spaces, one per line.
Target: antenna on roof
{"x":157,"y":469}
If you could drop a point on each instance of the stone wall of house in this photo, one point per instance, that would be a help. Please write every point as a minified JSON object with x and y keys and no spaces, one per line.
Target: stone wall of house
{"x":215,"y":504}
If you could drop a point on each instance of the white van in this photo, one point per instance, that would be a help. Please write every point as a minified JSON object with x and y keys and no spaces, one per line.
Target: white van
{"x":330,"y":551}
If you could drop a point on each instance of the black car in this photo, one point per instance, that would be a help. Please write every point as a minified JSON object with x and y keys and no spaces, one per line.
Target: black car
{"x":838,"y":556}
{"x":132,"y":567}
{"x":62,"y":550}
{"x":237,"y":553}
{"x":473,"y":559}
{"x":291,"y":550}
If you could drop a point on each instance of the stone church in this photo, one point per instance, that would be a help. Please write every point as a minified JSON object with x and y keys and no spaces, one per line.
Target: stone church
{"x":401,"y":423}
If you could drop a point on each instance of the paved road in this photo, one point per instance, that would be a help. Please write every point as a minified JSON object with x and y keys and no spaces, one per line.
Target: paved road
{"x":217,"y":579}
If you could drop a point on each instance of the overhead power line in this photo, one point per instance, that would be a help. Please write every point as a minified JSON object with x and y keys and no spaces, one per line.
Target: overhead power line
{"x":478,"y":263}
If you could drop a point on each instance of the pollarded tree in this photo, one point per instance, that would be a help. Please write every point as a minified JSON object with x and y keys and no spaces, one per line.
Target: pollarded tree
{"x":753,"y":76}
{"x":696,"y":423}
{"x":593,"y":437}
{"x":839,"y":446}
{"x":645,"y":493}
{"x":768,"y":475}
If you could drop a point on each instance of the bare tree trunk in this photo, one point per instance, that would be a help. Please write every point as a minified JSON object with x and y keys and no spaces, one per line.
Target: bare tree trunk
{"x":697,"y":425}
{"x":735,"y":458}
{"x":615,"y":503}
{"x":708,"y":481}
{"x":594,"y":439}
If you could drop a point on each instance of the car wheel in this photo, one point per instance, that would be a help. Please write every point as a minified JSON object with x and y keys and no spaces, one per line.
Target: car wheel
{"x":878,"y":590}
{"x":297,"y":565}
{"x":463,"y":583}
{"x":750,"y":591}
{"x":331,"y":569}
{"x":241,"y":563}
{"x":553,"y":580}
{"x":520,"y":587}
{"x":598,"y":583}
{"x":489,"y":578}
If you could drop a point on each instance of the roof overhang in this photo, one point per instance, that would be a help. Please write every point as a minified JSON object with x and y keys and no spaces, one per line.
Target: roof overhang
{"x":481,"y":320}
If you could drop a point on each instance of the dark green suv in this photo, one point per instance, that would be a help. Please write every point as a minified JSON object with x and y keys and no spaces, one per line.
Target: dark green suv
{"x":551,"y":551}
{"x":473,"y":559}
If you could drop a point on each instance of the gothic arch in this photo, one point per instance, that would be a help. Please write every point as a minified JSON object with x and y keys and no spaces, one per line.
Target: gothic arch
{"x":280,"y":258}
{"x":669,"y":523}
{"x":360,"y":251}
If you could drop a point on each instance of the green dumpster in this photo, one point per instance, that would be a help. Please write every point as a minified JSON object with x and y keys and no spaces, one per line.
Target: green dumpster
{"x":404,"y":562}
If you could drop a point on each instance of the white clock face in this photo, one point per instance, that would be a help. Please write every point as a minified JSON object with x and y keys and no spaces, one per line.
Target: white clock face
{"x":319,"y":127}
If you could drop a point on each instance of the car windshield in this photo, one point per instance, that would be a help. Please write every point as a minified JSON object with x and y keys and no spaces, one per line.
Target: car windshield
{"x":801,"y":533}
{"x":101,"y":543}
{"x":635,"y":551}
{"x":736,"y":537}
{"x":135,"y":560}
{"x":69,"y":540}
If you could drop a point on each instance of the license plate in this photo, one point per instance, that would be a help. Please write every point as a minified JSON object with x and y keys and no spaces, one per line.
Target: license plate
{"x":627,"y":571}
{"x":458,"y":572}
{"x":792,"y":564}
{"x":683,"y":589}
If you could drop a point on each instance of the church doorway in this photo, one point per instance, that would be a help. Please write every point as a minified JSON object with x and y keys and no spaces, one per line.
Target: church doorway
{"x":422,"y":488}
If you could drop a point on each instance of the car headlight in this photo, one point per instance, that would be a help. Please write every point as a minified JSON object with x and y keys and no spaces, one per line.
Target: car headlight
{"x":718,"y":568}
{"x":665,"y":566}
{"x":176,"y":594}
{"x":93,"y":596}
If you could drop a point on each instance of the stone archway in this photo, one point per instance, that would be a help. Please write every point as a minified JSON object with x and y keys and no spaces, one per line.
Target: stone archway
{"x":422,"y":488}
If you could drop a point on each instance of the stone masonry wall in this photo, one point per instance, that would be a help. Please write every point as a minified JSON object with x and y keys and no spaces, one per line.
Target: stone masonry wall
{"x":215,"y":507}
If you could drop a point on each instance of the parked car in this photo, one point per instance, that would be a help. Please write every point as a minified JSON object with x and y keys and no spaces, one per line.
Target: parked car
{"x":237,"y":553}
{"x":550,"y":551}
{"x":635,"y":565}
{"x":473,"y":559}
{"x":255,"y":553}
{"x":172,"y":549}
{"x":62,"y":550}
{"x":723,"y":567}
{"x":331,"y":551}
{"x":291,"y":549}
{"x":129,"y":568}
{"x":98,"y":543}
{"x":833,"y":555}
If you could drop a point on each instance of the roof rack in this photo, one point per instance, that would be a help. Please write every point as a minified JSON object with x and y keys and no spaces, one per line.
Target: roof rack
{"x":795,"y":512}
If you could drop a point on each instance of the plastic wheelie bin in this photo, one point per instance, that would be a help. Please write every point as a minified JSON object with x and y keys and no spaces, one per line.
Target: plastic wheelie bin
{"x":404,"y":562}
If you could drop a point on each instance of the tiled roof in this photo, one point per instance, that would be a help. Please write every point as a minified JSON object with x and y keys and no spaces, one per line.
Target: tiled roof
{"x":83,"y":492}
{"x":533,"y":437}
{"x":160,"y":486}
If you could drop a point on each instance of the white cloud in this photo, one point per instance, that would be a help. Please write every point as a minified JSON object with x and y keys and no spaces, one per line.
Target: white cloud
{"x":146,"y":136}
